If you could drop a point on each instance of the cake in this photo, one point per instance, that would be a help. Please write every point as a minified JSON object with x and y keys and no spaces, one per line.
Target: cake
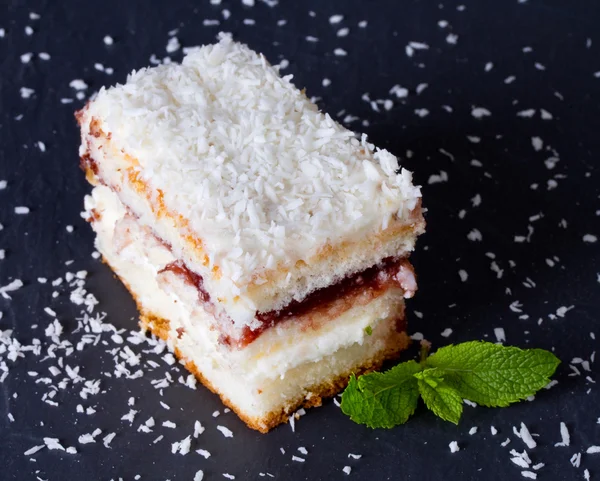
{"x":264,"y":242}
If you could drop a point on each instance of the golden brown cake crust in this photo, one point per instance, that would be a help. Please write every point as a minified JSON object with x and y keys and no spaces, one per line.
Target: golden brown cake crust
{"x":160,"y":328}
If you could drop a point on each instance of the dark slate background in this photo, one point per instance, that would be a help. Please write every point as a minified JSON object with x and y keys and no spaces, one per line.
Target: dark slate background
{"x":563,"y":39}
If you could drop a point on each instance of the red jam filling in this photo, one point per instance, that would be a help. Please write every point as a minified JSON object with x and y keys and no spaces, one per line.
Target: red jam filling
{"x":375,"y":278}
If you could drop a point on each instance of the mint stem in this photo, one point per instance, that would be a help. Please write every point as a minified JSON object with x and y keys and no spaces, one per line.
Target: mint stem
{"x":425,"y":348}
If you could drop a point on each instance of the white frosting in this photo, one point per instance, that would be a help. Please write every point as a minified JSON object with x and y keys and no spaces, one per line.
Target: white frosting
{"x":263,"y":177}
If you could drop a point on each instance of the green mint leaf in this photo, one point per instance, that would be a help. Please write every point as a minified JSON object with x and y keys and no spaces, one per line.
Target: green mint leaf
{"x":493,"y":375}
{"x":383,"y":400}
{"x":439,"y":397}
{"x":368,"y":330}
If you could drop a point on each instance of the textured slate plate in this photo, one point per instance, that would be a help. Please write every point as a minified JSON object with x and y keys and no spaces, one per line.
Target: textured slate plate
{"x":537,"y":221}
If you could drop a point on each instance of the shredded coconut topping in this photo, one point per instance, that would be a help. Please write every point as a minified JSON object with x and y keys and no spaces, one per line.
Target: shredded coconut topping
{"x":265,"y":178}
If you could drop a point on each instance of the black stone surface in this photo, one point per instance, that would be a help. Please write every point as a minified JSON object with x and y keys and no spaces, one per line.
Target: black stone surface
{"x":564,"y":42}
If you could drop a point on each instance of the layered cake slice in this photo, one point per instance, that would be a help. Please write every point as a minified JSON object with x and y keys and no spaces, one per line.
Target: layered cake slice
{"x":263,"y":241}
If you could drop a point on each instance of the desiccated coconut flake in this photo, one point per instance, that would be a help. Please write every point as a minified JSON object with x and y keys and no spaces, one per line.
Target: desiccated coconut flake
{"x":519,"y":461}
{"x":173,"y":45}
{"x":11,"y":287}
{"x":526,"y":113}
{"x":480,"y":112}
{"x":537,"y":143}
{"x":226,"y":432}
{"x":86,"y":439}
{"x":399,"y":92}
{"x":204,"y":453}
{"x":436,"y":179}
{"x":452,"y":38}
{"x":474,"y":235}
{"x":446,"y":332}
{"x":26,"y":92}
{"x":108,"y":439}
{"x":53,"y":443}
{"x":454,"y":448}
{"x":346,"y":469}
{"x":529,"y":474}
{"x":182,"y":447}
{"x":78,"y":84}
{"x":34,"y":449}
{"x":500,"y":335}
{"x":525,"y":435}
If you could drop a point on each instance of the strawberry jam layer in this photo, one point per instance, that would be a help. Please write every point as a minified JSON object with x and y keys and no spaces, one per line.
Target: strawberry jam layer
{"x":369,"y":283}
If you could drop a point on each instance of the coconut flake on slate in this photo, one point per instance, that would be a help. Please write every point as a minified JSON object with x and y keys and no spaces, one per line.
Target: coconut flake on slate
{"x":225,"y":431}
{"x":452,"y":38}
{"x":446,"y":332}
{"x":529,"y":474}
{"x":480,"y":112}
{"x":34,"y":449}
{"x":204,"y":453}
{"x":500,"y":335}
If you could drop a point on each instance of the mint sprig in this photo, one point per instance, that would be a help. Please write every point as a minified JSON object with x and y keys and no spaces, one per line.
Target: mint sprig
{"x":383,"y":400}
{"x":439,"y":396}
{"x":485,"y":373}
